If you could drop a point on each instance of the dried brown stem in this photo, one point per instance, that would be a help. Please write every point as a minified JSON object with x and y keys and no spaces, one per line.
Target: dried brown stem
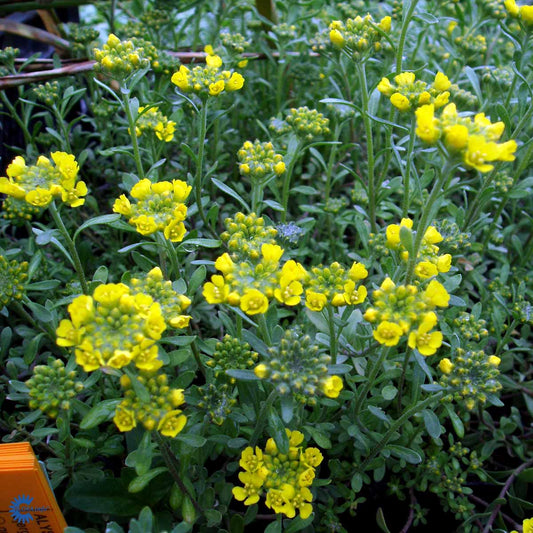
{"x":36,"y":34}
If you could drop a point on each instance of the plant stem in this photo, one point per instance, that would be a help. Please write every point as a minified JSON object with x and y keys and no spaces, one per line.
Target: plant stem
{"x":63,"y":128}
{"x":407,"y":175}
{"x":287,"y":181}
{"x":332,"y":335}
{"x":423,"y":223}
{"x":261,"y":417}
{"x":133,"y":134}
{"x":369,"y":147}
{"x":402,"y":377}
{"x":397,"y":424}
{"x":172,"y":463}
{"x":70,"y":246}
{"x":14,"y":115}
{"x":401,"y":43}
{"x":370,"y":381}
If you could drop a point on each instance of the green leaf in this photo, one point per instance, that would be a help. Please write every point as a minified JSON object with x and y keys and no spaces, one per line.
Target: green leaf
{"x":431,"y":421}
{"x":456,"y":421}
{"x":192,"y":440}
{"x":203,"y":243}
{"x":140,"y":482}
{"x":243,"y":375}
{"x":197,"y":278}
{"x":145,"y":522}
{"x":405,"y":453}
{"x":102,"y":412}
{"x":297,"y":524}
{"x":141,"y":458}
{"x":96,"y":221}
{"x":229,"y":191}
{"x":274,"y":527}
{"x":277,"y":431}
{"x":322,"y":440}
{"x":40,"y":312}
{"x":389,"y":392}
{"x":213,"y":516}
{"x":379,"y":413}
{"x":380,"y":520}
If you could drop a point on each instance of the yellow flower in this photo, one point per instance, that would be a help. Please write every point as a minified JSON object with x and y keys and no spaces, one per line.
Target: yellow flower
{"x":332,"y":386}
{"x":216,"y":291}
{"x":67,"y":334}
{"x":437,"y":294}
{"x":336,"y":38}
{"x":446,"y":366}
{"x":124,"y":419}
{"x":426,"y":269}
{"x":385,"y":23}
{"x":385,"y":87}
{"x":393,"y":232}
{"x":526,"y":14}
{"x":16,"y":167}
{"x":144,"y":224}
{"x":405,"y":78}
{"x":172,"y":423}
{"x":254,"y":302}
{"x":444,"y":263}
{"x":312,"y":457}
{"x":39,"y":197}
{"x":400,"y":101}
{"x":354,"y":296}
{"x":280,"y":500}
{"x":213,"y":60}
{"x":261,"y":371}
{"x":388,"y":333}
{"x":512,"y":8}
{"x":249,"y":494}
{"x":216,"y":88}
{"x":495,"y":360}
{"x":426,"y":343}
{"x":271,"y":252}
{"x":358,"y":271}
{"x":441,"y":83}
{"x":235,"y":83}
{"x":456,"y":136}
{"x":174,"y":231}
{"x":181,"y":78}
{"x":122,"y":205}
{"x":426,"y":124}
{"x":315,"y":300}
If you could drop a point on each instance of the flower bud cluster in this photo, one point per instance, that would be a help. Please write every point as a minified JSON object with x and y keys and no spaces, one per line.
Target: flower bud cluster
{"x":151,"y":119}
{"x":208,"y":80}
{"x":305,"y":123}
{"x":453,"y":239}
{"x":161,"y":291}
{"x":155,"y":19}
{"x":113,"y":328}
{"x":360,"y":35}
{"x":259,"y":159}
{"x":296,"y":367}
{"x":335,"y":285}
{"x":245,"y":234}
{"x":159,"y":207}
{"x":151,"y":402}
{"x":470,"y":327}
{"x":81,"y":38}
{"x":51,"y":388}
{"x":231,"y":353}
{"x":400,"y":310}
{"x":13,"y":276}
{"x":501,"y":77}
{"x":217,"y":400}
{"x":469,"y":376}
{"x":49,"y":93}
{"x":285,"y":31}
{"x":8,"y":55}
{"x":493,"y":8}
{"x":472,"y":140}
{"x":234,"y":42}
{"x":430,"y":263}
{"x":407,"y":93}
{"x":285,"y":478}
{"x":471,"y":44}
{"x":18,"y":211}
{"x":119,"y":59}
{"x":39,"y":184}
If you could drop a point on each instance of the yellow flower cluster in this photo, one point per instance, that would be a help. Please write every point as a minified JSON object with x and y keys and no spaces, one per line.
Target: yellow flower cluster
{"x":407,"y":92}
{"x":39,"y":184}
{"x":258,"y":159}
{"x":523,"y":13}
{"x":160,"y":290}
{"x":119,"y":58}
{"x":151,"y":119}
{"x":295,"y":366}
{"x":473,"y":140}
{"x":113,"y":328}
{"x":286,"y":478}
{"x":358,"y":35}
{"x":334,"y":285}
{"x":469,"y":377}
{"x":155,"y":408}
{"x":430,"y":263}
{"x":209,"y":80}
{"x":13,"y":276}
{"x":159,"y":207}
{"x":403,"y":309}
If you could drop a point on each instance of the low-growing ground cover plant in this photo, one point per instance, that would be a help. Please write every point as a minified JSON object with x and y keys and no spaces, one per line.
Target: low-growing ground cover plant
{"x":268,"y":265}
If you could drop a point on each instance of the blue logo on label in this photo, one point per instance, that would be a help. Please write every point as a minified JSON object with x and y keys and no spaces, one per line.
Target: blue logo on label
{"x":20,"y":509}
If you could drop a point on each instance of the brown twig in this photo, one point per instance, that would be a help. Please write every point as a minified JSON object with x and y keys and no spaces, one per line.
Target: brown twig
{"x":411,"y":517}
{"x":506,"y":517}
{"x":8,"y":6}
{"x":503,"y":492}
{"x":35,"y":34}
